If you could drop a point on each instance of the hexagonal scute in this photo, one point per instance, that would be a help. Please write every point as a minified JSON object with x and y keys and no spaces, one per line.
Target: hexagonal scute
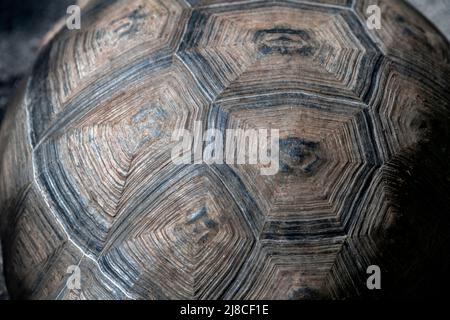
{"x":77,"y":60}
{"x":326,"y":155}
{"x":101,"y":159}
{"x":280,"y":270}
{"x":404,"y":108}
{"x":260,"y":47}
{"x":87,"y":179}
{"x":406,"y":36}
{"x":193,"y":233}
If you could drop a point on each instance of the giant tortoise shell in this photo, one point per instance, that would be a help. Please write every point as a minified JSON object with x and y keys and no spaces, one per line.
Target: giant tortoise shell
{"x":87,"y":178}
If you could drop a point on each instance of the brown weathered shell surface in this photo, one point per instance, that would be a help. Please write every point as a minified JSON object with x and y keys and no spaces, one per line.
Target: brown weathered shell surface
{"x":87,"y":178}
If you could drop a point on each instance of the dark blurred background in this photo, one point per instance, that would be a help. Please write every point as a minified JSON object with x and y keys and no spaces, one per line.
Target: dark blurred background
{"x":24,"y":22}
{"x":22,"y":25}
